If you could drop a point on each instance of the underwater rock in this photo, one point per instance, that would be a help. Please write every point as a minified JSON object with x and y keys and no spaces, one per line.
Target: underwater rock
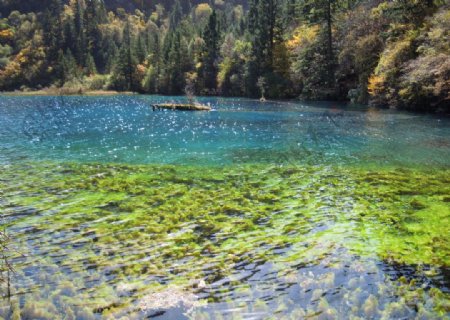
{"x":394,"y":310}
{"x":316,"y":295}
{"x":85,"y":314}
{"x":169,"y":297}
{"x":67,"y":289}
{"x":353,"y":283}
{"x":69,"y":314}
{"x":370,"y":306}
{"x":199,"y":284}
{"x":260,"y":306}
{"x":327,"y":280}
{"x":298,"y":313}
{"x":33,"y":310}
{"x":329,"y":314}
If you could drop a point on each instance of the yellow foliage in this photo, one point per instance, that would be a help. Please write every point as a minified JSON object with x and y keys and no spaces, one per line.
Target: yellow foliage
{"x":141,"y":69}
{"x":376,"y":84}
{"x":394,"y":55}
{"x":224,"y":69}
{"x":154,"y":16}
{"x":6,"y":34}
{"x":303,"y":35}
{"x":378,"y":12}
{"x":404,"y":92}
{"x":203,"y":10}
{"x":11,"y":71}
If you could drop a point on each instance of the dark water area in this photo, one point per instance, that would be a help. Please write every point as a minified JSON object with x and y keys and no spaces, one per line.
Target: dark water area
{"x":282,"y":210}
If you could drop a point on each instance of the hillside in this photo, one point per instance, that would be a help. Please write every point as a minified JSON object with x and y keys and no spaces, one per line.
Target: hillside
{"x":25,"y":6}
{"x":385,"y":53}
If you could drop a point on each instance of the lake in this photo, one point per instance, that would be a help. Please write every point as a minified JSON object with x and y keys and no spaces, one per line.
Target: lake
{"x":282,"y":210}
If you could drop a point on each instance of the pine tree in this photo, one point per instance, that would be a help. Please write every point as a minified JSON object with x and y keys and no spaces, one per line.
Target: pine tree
{"x":176,"y":15}
{"x":123,"y":75}
{"x":263,"y":23}
{"x":176,"y":76}
{"x":321,"y":11}
{"x":210,"y":54}
{"x":140,"y":50}
{"x":91,"y":68}
{"x":290,"y":11}
{"x":95,"y":15}
{"x":52,"y":27}
{"x":80,"y":37}
{"x":67,"y":67}
{"x":252,"y":72}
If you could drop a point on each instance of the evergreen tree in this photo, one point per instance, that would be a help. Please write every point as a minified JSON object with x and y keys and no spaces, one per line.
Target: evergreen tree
{"x":91,"y":68}
{"x":67,"y":67}
{"x":141,"y":50}
{"x":52,"y":27}
{"x":69,"y":36}
{"x":94,"y":16}
{"x":208,"y":70}
{"x":321,"y":11}
{"x":263,"y":24}
{"x":176,"y":15}
{"x":252,"y":72}
{"x":290,"y":12}
{"x":123,"y":75}
{"x":80,"y":37}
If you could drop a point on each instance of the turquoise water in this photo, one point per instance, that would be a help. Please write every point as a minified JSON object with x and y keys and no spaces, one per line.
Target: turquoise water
{"x":126,"y":130}
{"x":277,"y":210}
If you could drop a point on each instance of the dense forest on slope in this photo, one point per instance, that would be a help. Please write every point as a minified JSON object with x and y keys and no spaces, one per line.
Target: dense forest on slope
{"x":387,"y":53}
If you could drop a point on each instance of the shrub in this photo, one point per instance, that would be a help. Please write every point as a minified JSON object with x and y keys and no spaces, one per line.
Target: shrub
{"x":425,"y":84}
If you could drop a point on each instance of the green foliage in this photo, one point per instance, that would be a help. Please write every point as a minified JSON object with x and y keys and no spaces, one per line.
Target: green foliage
{"x":209,"y":56}
{"x":311,"y":68}
{"x":124,"y":75}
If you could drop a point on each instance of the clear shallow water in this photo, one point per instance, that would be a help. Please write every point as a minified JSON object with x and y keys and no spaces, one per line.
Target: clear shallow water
{"x":250,"y":211}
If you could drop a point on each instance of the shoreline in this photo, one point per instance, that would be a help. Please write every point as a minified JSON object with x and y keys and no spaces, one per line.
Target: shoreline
{"x":50,"y":93}
{"x":99,"y":93}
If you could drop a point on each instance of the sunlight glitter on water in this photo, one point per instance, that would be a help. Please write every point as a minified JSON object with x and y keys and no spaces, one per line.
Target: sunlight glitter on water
{"x":125,"y":129}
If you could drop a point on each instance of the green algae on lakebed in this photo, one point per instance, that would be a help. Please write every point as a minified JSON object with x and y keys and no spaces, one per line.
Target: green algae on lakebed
{"x":107,"y":240}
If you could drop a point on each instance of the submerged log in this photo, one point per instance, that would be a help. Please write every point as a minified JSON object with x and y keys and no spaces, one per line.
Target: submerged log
{"x":181,"y":107}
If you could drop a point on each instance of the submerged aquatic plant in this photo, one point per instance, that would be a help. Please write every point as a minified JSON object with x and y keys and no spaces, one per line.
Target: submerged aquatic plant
{"x":121,"y":240}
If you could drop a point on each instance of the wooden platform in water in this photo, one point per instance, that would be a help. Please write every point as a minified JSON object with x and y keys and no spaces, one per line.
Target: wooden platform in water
{"x":181,"y":107}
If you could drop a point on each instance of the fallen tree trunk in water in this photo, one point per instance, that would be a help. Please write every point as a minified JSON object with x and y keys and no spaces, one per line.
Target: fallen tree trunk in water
{"x":180,"y":107}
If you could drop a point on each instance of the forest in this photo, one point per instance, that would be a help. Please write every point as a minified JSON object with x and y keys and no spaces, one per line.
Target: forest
{"x":383,"y":53}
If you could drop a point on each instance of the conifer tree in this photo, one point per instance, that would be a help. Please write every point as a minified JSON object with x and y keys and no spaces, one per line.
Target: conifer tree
{"x":91,"y":68}
{"x":176,"y":15}
{"x":263,"y":23}
{"x":67,"y":67}
{"x":80,"y":37}
{"x":321,"y":11}
{"x":52,"y":27}
{"x":123,"y":75}
{"x":141,"y":50}
{"x":210,"y":54}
